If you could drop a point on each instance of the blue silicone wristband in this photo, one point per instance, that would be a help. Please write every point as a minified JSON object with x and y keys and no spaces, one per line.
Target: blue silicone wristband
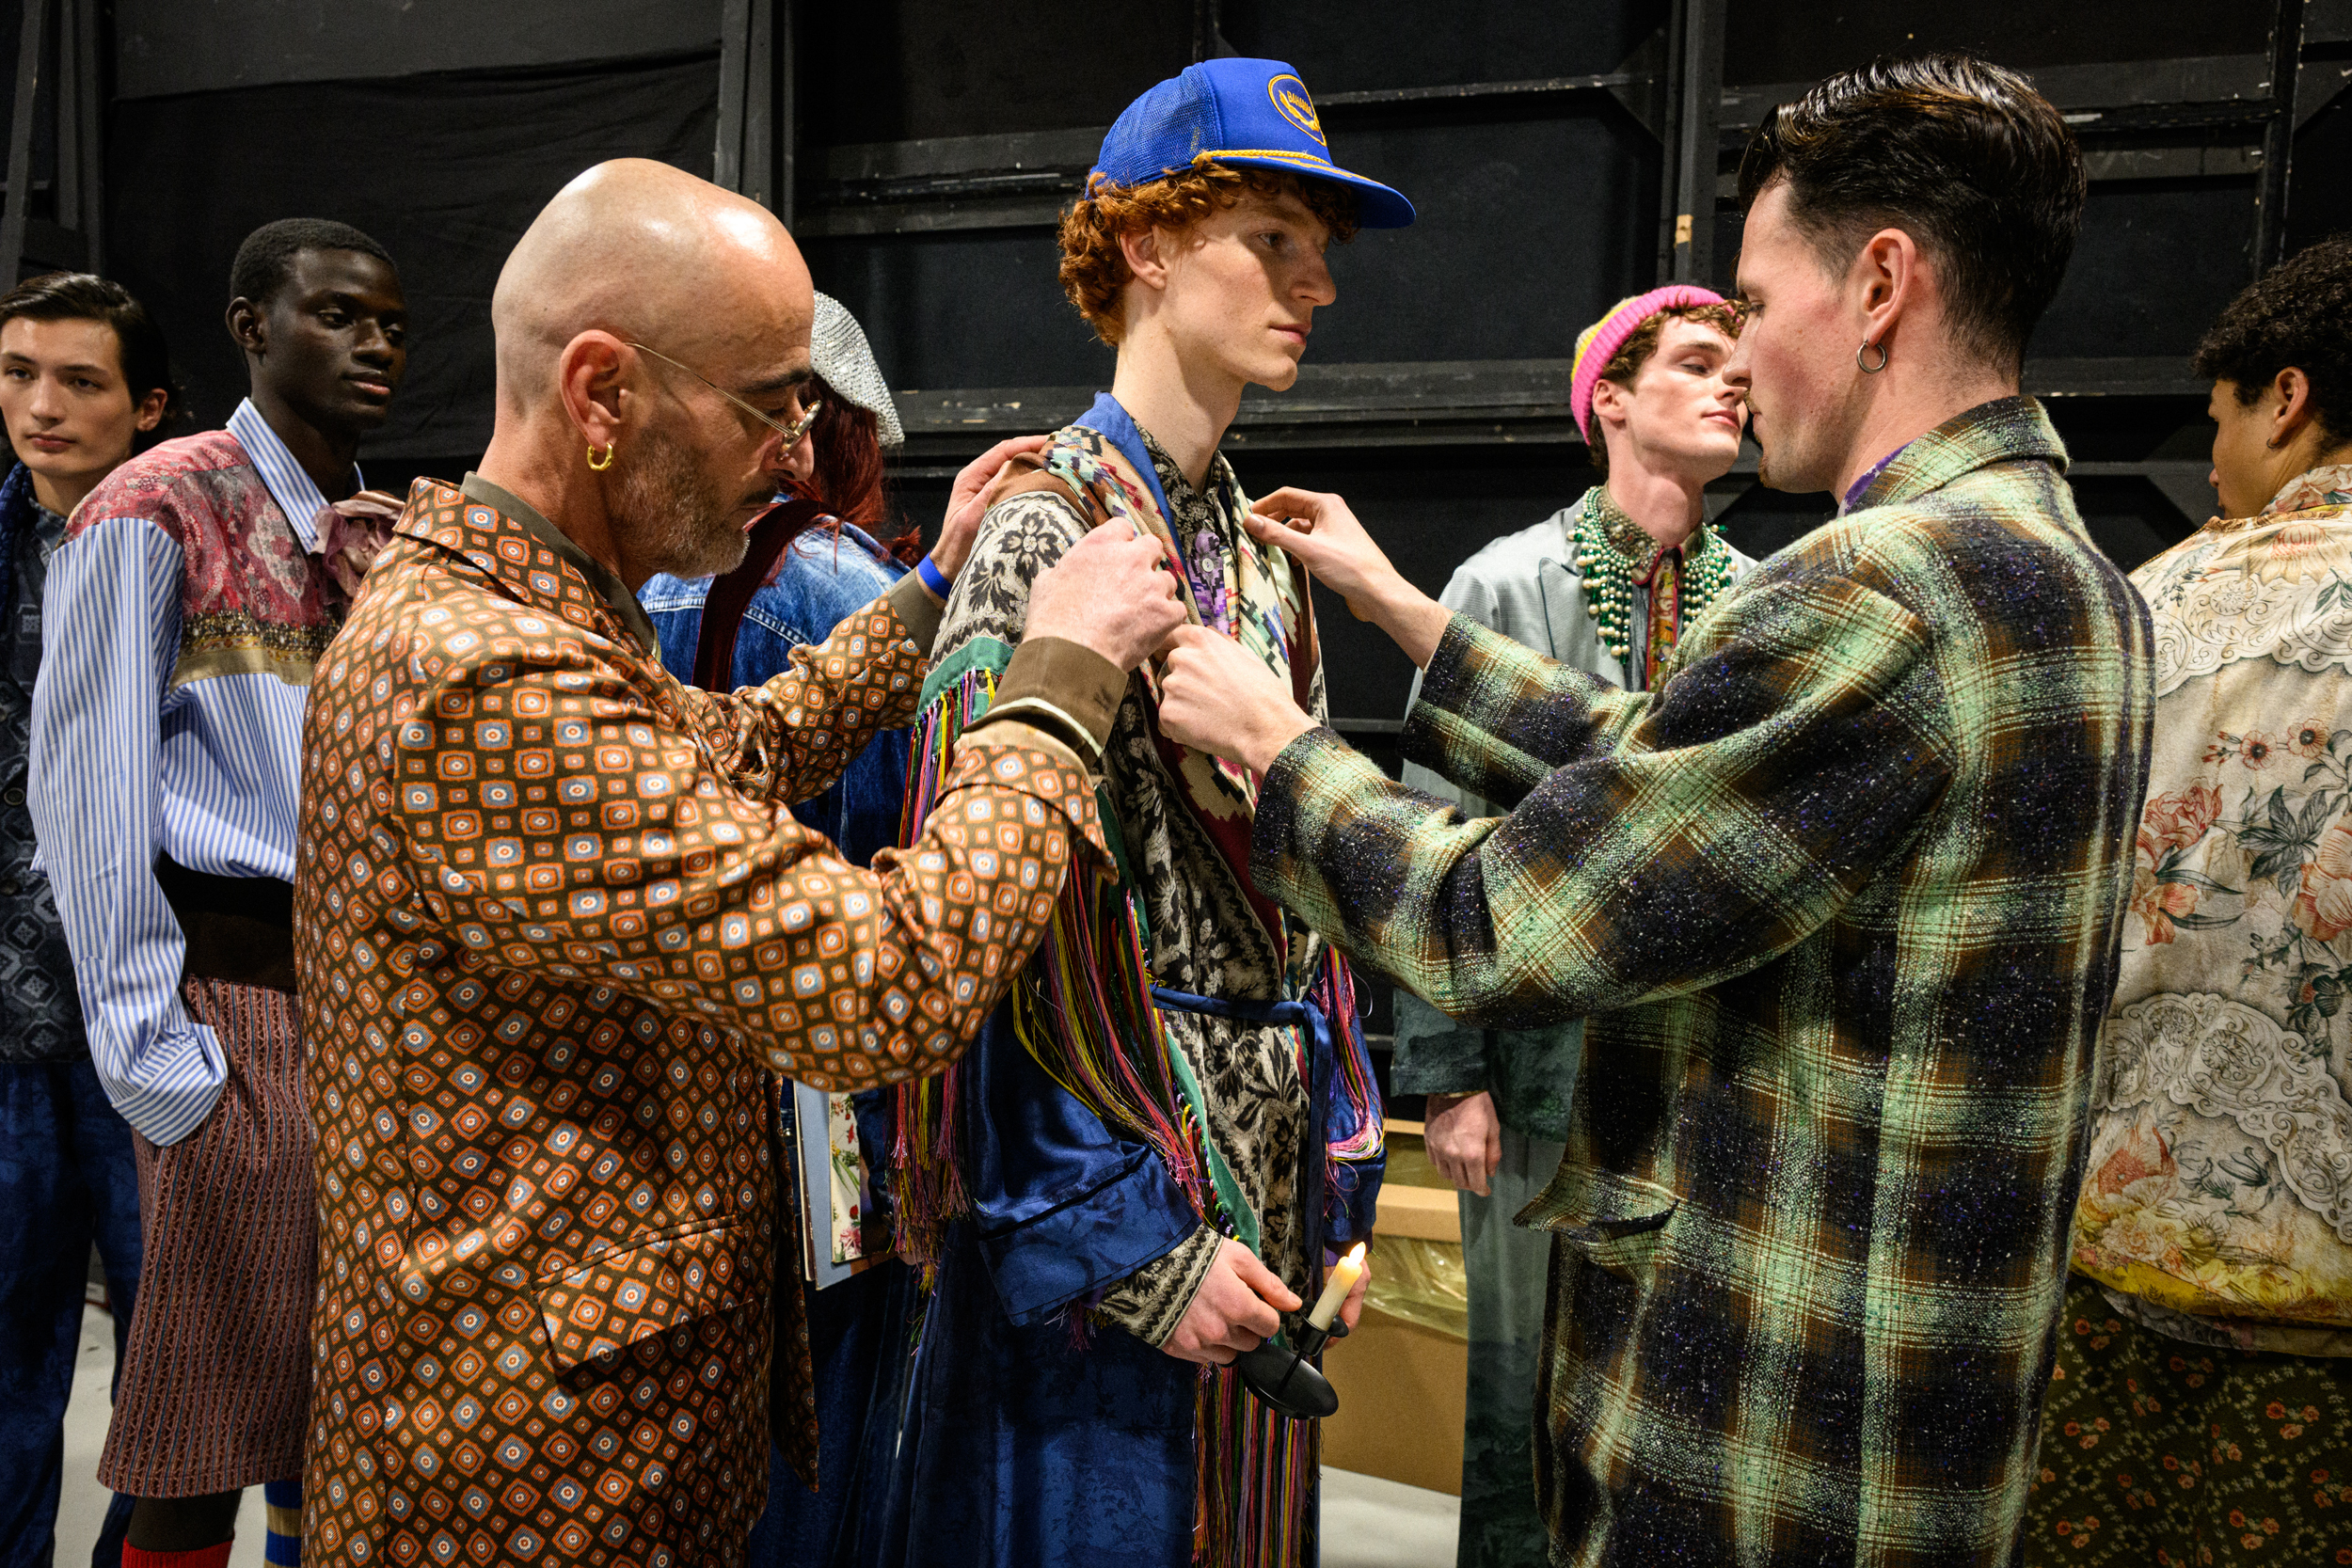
{"x":931,"y":579}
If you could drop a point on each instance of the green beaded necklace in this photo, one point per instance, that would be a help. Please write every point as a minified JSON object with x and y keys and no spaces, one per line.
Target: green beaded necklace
{"x":1608,"y":573}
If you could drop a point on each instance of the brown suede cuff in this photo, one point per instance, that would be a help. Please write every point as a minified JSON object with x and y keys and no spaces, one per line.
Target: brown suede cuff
{"x":917,"y":611}
{"x":1060,"y":685}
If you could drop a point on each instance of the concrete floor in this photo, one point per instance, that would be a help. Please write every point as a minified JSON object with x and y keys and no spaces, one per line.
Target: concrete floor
{"x":1370,"y":1523}
{"x":1367,"y":1522}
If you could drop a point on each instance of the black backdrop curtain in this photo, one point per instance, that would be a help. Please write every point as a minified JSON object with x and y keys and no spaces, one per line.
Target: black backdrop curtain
{"x":444,"y":170}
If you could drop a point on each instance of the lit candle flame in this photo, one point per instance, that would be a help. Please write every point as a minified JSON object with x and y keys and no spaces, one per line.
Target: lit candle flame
{"x":1344,"y":1274}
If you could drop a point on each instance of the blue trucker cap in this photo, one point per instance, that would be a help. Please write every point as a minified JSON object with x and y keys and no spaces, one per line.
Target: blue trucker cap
{"x":1252,"y":113}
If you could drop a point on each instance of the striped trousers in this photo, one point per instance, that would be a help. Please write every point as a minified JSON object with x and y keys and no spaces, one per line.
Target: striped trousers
{"x":217,"y":1380}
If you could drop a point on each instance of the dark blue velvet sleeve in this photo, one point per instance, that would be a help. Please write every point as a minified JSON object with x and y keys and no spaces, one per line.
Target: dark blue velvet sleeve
{"x":1064,"y":1206}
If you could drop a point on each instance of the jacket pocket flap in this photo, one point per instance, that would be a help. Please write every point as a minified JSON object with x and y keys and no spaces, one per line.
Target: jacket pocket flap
{"x":1591,"y":1206}
{"x":621,"y":1297}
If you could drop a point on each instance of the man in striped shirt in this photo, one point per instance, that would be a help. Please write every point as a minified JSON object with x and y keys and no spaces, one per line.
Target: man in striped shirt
{"x":191,"y":593}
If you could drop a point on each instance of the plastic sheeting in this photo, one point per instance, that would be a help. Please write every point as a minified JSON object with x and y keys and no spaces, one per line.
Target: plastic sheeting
{"x":1422,"y":1282}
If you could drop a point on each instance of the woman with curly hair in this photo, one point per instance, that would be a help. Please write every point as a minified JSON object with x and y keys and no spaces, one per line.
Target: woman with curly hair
{"x":2201,"y":1410}
{"x":1161,"y":1142}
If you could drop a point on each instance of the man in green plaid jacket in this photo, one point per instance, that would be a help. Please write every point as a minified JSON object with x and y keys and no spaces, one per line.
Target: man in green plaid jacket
{"x":1842,"y":896}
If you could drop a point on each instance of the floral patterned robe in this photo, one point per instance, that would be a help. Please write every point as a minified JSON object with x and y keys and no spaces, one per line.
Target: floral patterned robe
{"x":2218,"y":1205}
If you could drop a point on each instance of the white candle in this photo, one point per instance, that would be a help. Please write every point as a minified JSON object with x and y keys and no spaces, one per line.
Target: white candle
{"x":1344,"y":1274}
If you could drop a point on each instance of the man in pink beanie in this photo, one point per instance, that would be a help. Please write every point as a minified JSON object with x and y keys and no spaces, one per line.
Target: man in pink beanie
{"x":1605,"y":585}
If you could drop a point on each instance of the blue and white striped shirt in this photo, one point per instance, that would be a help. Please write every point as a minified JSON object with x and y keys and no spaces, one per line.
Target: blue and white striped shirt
{"x":124,"y":768}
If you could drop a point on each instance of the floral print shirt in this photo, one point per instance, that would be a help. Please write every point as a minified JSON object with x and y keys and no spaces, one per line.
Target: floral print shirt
{"x":2217,"y":1204}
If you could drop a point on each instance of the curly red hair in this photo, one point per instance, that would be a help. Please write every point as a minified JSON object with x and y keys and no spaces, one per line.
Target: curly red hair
{"x":1094,"y":269}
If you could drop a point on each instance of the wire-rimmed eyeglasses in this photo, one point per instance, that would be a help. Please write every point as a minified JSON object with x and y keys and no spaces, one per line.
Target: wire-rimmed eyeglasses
{"x":792,"y":432}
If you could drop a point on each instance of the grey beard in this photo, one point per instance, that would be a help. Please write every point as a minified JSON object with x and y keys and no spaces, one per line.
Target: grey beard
{"x":675,"y":509}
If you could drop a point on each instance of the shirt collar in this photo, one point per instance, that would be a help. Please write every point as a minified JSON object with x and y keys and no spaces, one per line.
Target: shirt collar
{"x":296,"y":495}
{"x":1854,"y":491}
{"x":1633,"y":541}
{"x":1216,"y":488}
{"x":2004,"y":429}
{"x":1110,"y":419}
{"x":1630,"y":539}
{"x":48,"y":527}
{"x":2329,"y":484}
{"x":608,"y":585}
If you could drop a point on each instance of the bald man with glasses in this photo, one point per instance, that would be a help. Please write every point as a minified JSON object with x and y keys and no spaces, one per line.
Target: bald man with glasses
{"x":555,"y":921}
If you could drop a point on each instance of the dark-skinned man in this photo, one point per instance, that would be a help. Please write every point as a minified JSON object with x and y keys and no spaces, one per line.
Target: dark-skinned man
{"x":192,"y":590}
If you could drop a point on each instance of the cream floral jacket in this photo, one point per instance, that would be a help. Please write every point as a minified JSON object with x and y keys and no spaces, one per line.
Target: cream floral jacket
{"x":2218,"y":1205}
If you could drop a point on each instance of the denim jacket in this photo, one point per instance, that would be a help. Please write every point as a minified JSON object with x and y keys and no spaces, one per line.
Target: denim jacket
{"x":820,"y":577}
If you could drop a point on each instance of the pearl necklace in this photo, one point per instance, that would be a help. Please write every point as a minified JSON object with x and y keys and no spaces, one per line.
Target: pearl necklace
{"x":1607,"y":576}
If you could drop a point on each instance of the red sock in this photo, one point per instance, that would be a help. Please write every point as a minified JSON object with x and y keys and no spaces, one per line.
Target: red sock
{"x":203,"y":1557}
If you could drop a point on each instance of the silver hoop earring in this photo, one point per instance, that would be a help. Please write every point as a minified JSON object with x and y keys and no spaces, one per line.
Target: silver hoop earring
{"x":1864,"y":365}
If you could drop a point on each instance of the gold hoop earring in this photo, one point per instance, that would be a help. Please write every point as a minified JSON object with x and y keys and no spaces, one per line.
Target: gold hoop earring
{"x":609,"y":449}
{"x":1865,"y":366}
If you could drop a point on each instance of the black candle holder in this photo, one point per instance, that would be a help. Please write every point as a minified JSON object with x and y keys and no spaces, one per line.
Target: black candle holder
{"x":1283,"y":1378}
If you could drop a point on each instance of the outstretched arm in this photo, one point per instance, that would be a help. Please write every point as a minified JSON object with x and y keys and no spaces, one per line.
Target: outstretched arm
{"x":791,"y":737}
{"x":1320,"y":529}
{"x":1212,"y":702}
{"x":650,"y":871}
{"x":1768,"y":783}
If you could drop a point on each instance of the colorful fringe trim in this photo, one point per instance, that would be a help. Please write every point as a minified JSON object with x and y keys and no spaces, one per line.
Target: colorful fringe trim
{"x":925,"y":1177}
{"x":1255,"y":1502}
{"x":1085,"y":995}
{"x":1088,"y":992}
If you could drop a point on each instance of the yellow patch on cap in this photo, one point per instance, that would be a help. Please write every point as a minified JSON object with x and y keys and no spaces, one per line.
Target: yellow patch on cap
{"x":1292,"y":104}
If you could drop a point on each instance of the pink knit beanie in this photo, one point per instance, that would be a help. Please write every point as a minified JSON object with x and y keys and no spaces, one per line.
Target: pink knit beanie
{"x":1599,"y":344}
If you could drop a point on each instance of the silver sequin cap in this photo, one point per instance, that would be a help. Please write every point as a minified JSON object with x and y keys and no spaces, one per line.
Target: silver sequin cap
{"x":837,"y":351}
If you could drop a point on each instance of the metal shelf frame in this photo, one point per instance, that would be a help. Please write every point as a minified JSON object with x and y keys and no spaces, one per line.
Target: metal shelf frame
{"x":2230,"y":116}
{"x":74,"y":97}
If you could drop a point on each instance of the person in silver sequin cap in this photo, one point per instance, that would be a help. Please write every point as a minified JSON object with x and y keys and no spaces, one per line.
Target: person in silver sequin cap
{"x":838,"y":352}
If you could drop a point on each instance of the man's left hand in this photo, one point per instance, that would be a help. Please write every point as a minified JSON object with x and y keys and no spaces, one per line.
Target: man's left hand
{"x":967,"y":503}
{"x":1217,"y":696}
{"x":1463,"y":1136}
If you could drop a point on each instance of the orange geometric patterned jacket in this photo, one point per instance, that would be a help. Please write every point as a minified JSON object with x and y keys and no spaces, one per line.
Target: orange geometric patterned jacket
{"x":555,"y":922}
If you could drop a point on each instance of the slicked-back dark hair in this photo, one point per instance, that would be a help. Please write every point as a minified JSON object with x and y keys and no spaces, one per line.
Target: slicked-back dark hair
{"x":1962,"y":154}
{"x":2299,"y":314}
{"x":58,"y":296}
{"x":265,"y":261}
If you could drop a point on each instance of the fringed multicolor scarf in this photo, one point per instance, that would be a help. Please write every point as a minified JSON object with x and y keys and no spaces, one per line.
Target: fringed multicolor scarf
{"x":1085,"y":1012}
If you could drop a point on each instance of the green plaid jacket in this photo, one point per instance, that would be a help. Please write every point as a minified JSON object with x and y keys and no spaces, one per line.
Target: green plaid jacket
{"x":1841,"y":900}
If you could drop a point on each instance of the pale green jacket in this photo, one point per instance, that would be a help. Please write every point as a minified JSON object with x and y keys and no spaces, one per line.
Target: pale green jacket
{"x":1526,"y":586}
